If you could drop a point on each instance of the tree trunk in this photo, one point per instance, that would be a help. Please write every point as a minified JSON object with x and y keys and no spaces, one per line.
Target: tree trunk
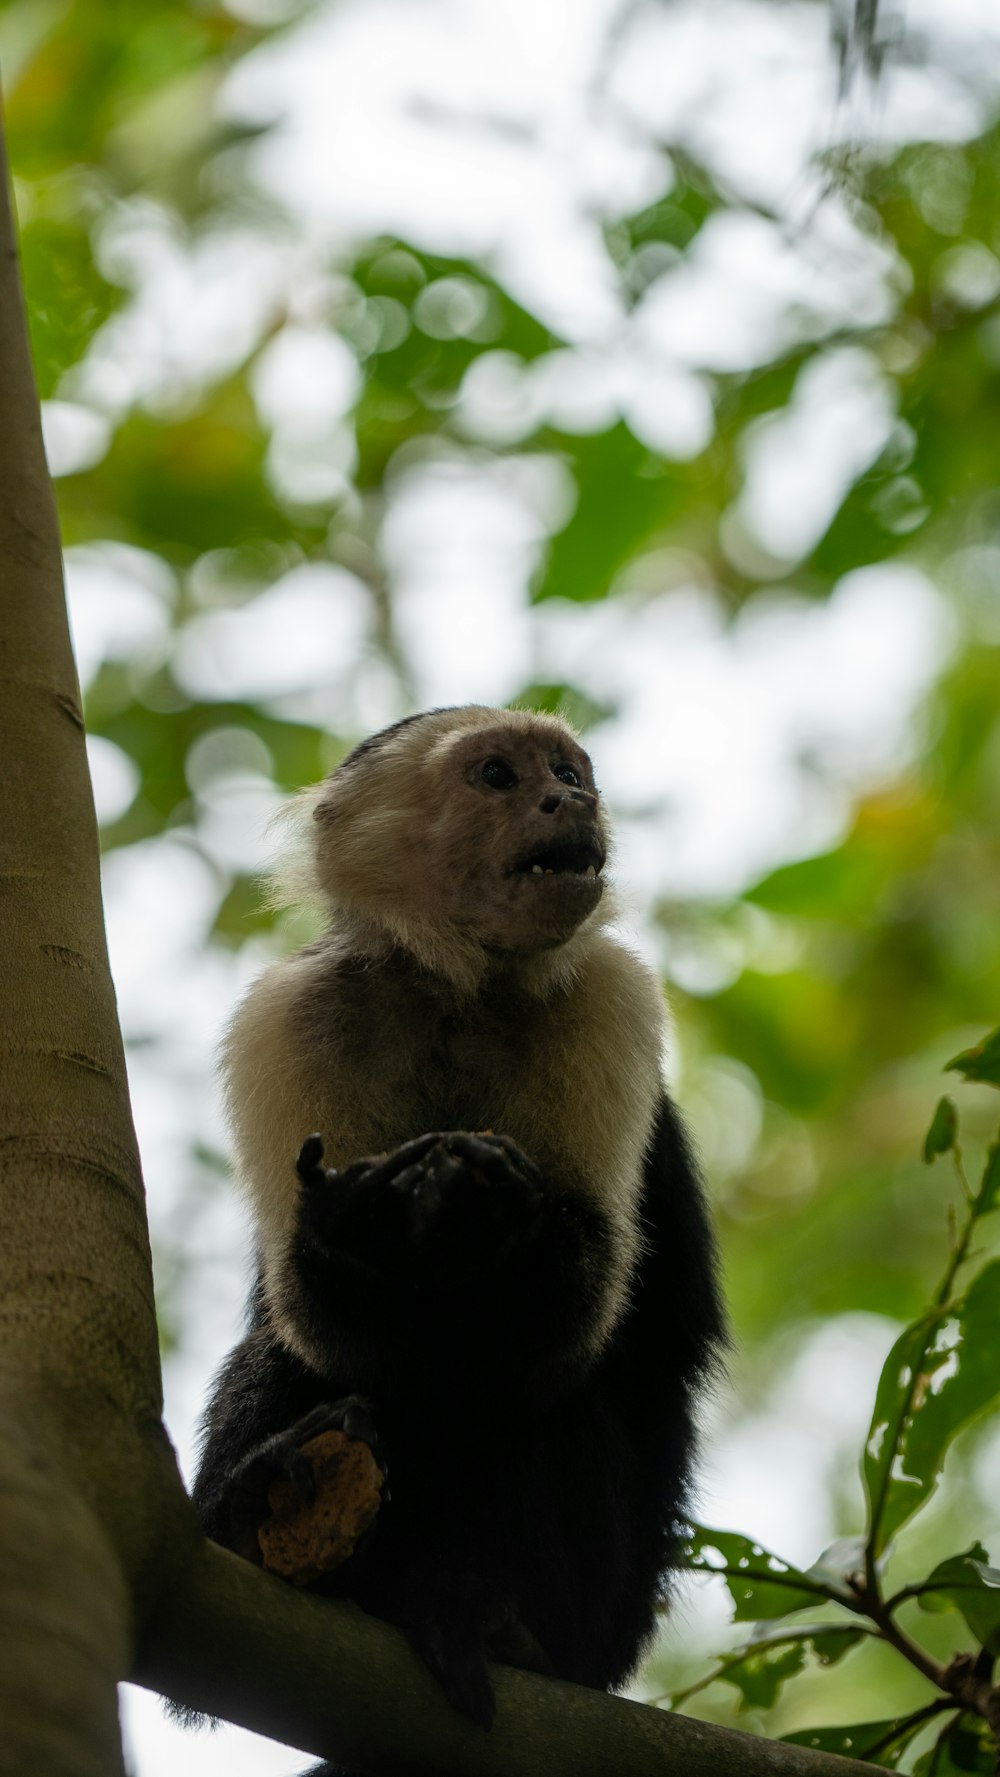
{"x":87,"y":1475}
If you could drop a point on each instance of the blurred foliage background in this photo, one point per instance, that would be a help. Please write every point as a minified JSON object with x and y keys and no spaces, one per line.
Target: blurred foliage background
{"x":246,"y":404}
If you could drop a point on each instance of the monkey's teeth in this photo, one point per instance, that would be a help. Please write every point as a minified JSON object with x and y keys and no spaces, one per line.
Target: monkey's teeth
{"x":539,"y":870}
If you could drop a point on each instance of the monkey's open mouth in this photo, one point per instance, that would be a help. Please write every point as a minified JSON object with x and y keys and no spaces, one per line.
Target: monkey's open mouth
{"x":563,"y":857}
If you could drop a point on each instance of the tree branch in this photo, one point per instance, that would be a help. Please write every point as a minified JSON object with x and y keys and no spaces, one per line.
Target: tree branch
{"x":322,"y":1675}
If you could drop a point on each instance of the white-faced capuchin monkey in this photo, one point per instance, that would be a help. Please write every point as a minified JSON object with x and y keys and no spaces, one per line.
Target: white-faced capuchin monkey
{"x":492,"y":1259}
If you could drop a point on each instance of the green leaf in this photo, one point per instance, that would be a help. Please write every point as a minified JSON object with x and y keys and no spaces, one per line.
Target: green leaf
{"x":761,"y":1666}
{"x":989,"y":1189}
{"x":626,"y":499}
{"x":967,"y":1583}
{"x":831,"y":1641}
{"x":844,"y":1557}
{"x":971,"y":1746}
{"x":959,"y":1748}
{"x":940,"y":1374}
{"x":761,"y":1584}
{"x":759,"y":1672}
{"x":579,"y":709}
{"x":880,"y":1742}
{"x":980,"y":1063}
{"x":943,"y":1130}
{"x":67,"y":297}
{"x":839,"y":882}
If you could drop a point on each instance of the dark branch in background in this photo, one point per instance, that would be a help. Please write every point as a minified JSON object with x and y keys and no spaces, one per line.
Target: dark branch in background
{"x":863,"y":39}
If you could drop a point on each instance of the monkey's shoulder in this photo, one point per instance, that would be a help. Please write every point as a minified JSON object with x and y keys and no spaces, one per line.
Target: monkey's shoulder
{"x":370,"y":1051}
{"x":329,"y":1002}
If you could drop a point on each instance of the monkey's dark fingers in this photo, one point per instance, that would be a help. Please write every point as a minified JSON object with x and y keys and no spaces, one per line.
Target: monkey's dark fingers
{"x":387,"y":1168}
{"x":516,"y":1155}
{"x":494,"y":1155}
{"x":410,"y":1179}
{"x":373,"y":1169}
{"x":279,"y":1457}
{"x":519,"y":1160}
{"x":296,"y":1467}
{"x":458,"y":1662}
{"x":442,"y":1167}
{"x":352,"y":1415}
{"x":512,"y":1643}
{"x":483,"y":1146}
{"x":284,"y":1453}
{"x":358,"y":1423}
{"x":309,"y":1164}
{"x":433,"y":1193}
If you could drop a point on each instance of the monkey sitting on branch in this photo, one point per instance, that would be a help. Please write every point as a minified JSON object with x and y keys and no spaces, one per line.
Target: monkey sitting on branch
{"x":491,"y":1270}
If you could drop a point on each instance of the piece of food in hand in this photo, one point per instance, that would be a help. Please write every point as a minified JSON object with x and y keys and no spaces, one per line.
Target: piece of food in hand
{"x":303,"y":1539}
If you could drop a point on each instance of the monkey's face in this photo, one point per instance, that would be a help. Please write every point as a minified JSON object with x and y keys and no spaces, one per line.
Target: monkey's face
{"x":485,"y":823}
{"x":518,"y":843}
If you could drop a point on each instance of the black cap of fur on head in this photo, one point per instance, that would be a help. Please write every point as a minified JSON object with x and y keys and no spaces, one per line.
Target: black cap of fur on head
{"x":375,"y":741}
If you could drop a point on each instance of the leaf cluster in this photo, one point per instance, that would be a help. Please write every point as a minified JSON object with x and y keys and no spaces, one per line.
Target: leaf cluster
{"x":942,"y":1373}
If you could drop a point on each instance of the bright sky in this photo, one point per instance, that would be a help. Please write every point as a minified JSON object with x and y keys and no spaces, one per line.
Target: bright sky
{"x":516,"y":133}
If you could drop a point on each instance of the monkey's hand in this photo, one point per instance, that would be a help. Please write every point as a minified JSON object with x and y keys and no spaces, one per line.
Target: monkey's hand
{"x":455,"y":1204}
{"x":453,"y":1230}
{"x":283,"y":1461}
{"x":479,"y":1204}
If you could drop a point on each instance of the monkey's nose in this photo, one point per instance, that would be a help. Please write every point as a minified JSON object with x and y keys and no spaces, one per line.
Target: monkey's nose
{"x":549,"y":804}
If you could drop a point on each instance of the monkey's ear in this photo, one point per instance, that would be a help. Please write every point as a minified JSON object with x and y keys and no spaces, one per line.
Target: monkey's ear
{"x":324,"y":811}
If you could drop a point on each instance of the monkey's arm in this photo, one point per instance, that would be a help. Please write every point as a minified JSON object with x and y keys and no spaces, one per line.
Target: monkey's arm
{"x":619,"y":1451}
{"x":668,"y":1344}
{"x":677,"y":1301}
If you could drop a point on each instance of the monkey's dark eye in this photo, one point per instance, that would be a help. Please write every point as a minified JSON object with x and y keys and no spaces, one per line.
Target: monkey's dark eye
{"x":498,"y":774}
{"x":568,"y":775}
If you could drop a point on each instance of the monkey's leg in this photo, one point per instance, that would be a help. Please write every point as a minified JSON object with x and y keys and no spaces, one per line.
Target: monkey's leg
{"x":455,"y":1621}
{"x":450,"y":1637}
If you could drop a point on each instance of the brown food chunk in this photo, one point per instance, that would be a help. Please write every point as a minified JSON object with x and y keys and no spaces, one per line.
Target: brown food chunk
{"x":304,"y":1539}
